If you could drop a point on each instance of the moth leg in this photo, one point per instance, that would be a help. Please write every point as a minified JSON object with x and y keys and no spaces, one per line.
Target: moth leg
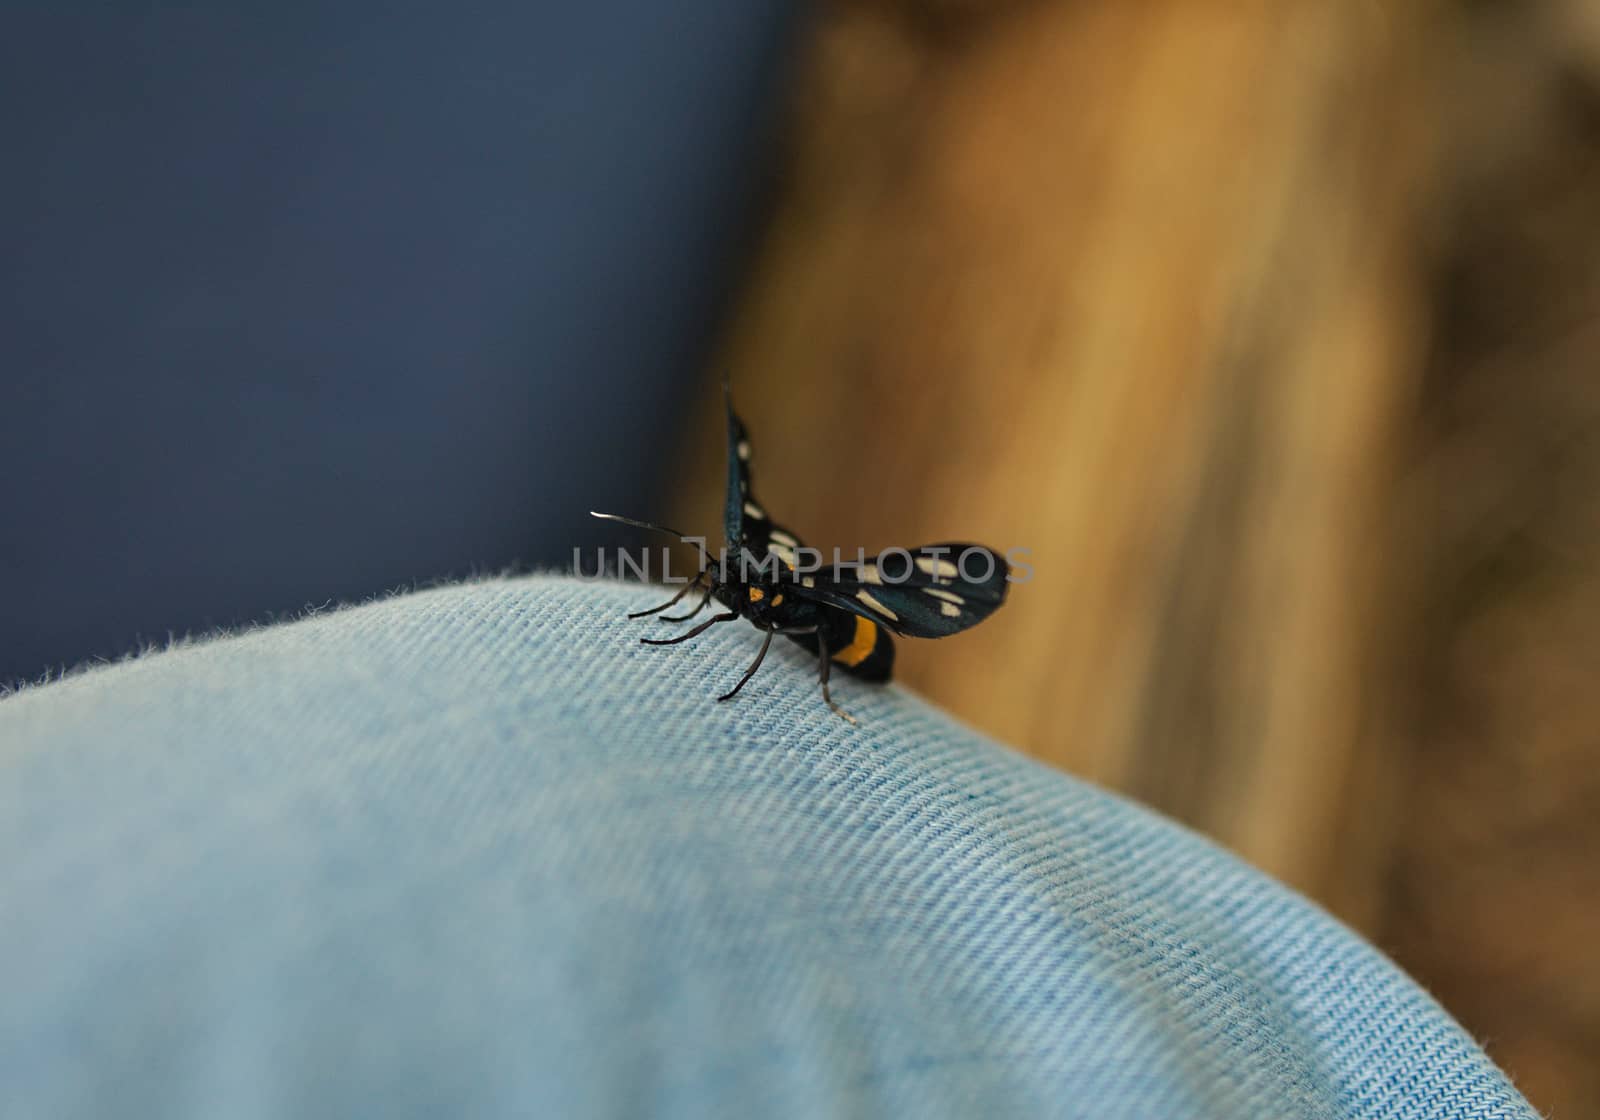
{"x":698,"y":630}
{"x":827,"y":666}
{"x":688,"y":587}
{"x":766,"y":643}
{"x":705,"y":598}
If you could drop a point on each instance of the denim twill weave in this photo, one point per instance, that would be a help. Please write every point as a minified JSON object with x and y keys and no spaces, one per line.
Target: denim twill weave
{"x":476,"y":852}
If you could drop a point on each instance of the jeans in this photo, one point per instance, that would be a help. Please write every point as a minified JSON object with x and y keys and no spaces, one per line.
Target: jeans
{"x":476,"y":852}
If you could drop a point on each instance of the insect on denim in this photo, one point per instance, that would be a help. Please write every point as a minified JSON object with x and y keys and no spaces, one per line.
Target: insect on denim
{"x":476,"y":852}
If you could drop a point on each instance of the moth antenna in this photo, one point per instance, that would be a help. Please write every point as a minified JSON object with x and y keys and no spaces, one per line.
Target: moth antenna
{"x":705,"y":558}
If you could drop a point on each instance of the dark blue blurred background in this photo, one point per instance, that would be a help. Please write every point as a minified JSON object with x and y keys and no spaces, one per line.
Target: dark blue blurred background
{"x":305,"y":302}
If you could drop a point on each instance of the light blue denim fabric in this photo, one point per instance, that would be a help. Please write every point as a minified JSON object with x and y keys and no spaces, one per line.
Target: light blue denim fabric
{"x":475,"y":852}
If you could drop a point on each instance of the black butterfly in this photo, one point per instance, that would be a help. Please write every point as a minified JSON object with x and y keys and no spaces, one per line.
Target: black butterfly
{"x":843,"y":612}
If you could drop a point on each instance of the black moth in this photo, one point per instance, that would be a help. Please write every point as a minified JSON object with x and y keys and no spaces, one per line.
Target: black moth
{"x":843,"y":613}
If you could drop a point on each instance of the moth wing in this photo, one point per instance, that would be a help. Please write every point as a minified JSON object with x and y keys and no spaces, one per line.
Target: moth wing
{"x":928,"y":592}
{"x":744,"y":519}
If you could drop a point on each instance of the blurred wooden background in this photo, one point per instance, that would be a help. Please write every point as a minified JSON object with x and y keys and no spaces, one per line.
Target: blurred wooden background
{"x":1270,"y":329}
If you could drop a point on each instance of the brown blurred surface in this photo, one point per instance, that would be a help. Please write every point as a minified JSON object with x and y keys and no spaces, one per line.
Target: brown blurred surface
{"x":1270,"y":329}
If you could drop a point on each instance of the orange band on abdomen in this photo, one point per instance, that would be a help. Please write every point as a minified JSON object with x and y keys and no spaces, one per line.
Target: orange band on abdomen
{"x":861,"y":646}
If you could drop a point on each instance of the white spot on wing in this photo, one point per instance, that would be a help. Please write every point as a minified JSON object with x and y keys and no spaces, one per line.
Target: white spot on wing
{"x":947,"y":596}
{"x":869,"y":574}
{"x":941,"y":569}
{"x":783,"y":538}
{"x":949,"y":610}
{"x":877,"y":606}
{"x":753,"y":510}
{"x":744,"y":451}
{"x":807,"y":581}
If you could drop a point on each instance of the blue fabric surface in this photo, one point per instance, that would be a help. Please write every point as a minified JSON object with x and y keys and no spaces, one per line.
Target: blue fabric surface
{"x":475,"y":852}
